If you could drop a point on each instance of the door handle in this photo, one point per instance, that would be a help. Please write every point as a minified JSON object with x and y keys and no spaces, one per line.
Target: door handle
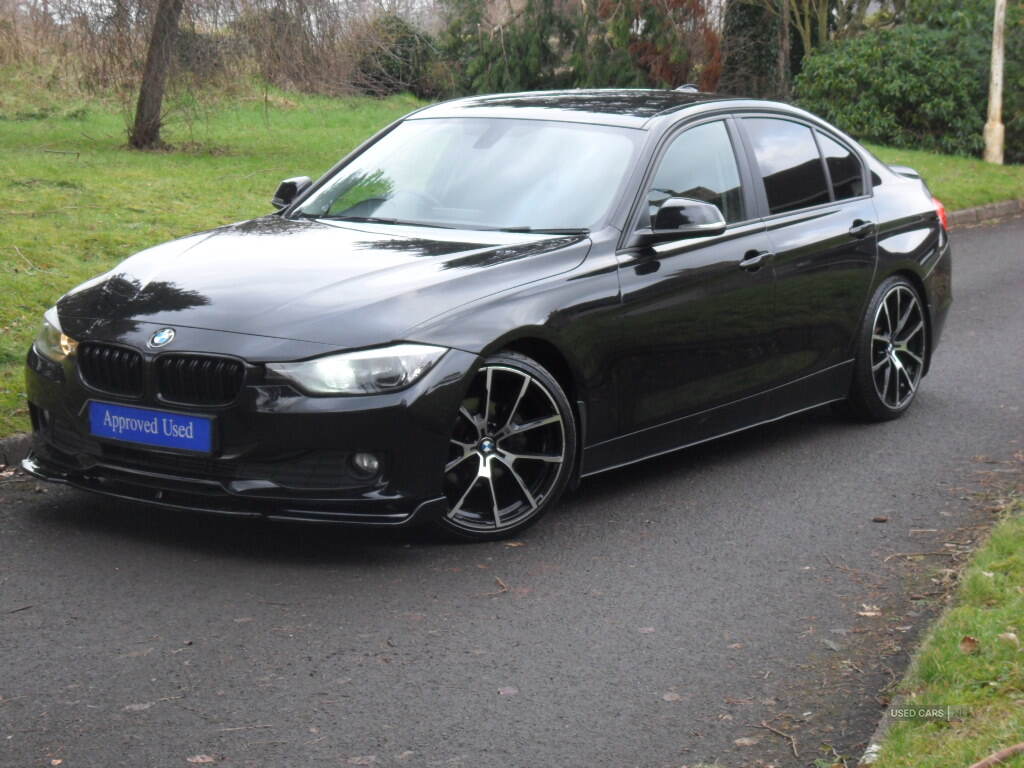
{"x":753,"y":260}
{"x":861,"y":228}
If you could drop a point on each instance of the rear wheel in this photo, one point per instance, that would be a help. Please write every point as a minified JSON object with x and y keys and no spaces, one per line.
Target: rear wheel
{"x":892,"y":350}
{"x":512,"y":449}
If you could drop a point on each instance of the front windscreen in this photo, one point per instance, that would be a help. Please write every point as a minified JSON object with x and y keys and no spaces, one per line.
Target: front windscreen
{"x":483,"y":173}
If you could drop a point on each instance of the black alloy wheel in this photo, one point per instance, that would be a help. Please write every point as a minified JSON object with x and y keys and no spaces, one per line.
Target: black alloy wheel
{"x":893,"y":348}
{"x":512,"y":449}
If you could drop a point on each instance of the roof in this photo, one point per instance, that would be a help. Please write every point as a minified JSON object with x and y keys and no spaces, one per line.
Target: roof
{"x":632,"y":108}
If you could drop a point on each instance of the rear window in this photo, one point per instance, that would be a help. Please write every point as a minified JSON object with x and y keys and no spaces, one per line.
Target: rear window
{"x":789,"y":162}
{"x":843,"y":167}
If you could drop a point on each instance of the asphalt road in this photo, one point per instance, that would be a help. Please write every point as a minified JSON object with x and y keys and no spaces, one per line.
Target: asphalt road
{"x":658,"y":617}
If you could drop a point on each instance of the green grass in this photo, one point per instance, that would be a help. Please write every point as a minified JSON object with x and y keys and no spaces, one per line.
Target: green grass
{"x":989,"y":683}
{"x":78,"y":201}
{"x":959,"y":182}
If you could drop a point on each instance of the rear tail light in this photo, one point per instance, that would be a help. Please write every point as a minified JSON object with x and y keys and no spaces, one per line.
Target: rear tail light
{"x":941,"y":210}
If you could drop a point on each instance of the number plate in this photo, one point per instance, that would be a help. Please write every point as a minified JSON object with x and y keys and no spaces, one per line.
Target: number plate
{"x":148,"y":427}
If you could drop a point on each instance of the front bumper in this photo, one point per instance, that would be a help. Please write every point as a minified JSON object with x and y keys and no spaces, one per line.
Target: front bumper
{"x":279,"y":454}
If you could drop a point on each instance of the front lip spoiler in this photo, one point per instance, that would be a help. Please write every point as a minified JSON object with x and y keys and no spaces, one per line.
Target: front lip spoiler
{"x":111,"y":486}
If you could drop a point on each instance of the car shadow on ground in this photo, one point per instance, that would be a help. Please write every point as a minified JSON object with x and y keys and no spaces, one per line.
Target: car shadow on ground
{"x":69,"y":512}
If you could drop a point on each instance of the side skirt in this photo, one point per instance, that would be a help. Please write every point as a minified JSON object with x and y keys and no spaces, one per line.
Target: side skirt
{"x":808,"y":393}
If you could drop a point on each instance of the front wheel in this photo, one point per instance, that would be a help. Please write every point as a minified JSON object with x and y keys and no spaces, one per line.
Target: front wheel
{"x":891,"y":353}
{"x":511,"y":452}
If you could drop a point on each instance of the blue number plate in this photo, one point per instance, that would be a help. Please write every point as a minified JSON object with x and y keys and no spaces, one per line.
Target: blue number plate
{"x":149,"y":427}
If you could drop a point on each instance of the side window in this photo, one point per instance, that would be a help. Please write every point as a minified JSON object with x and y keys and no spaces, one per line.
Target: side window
{"x":790,"y":164}
{"x":700,"y":164}
{"x":843,"y":167}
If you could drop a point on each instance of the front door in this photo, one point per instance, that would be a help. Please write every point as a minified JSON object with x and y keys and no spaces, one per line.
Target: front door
{"x":696,"y":312}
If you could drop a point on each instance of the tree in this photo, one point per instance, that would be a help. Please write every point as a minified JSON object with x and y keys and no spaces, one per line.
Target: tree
{"x":671,"y":41}
{"x":541,"y":44}
{"x":145,"y":133}
{"x":784,"y":51}
{"x":818,"y":21}
{"x":523,"y":51}
{"x":751,"y":46}
{"x":396,"y":57}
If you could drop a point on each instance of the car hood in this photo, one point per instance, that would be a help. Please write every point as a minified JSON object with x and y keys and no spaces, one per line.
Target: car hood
{"x":347,"y":285}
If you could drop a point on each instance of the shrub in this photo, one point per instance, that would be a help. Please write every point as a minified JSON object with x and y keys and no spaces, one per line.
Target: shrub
{"x":395,"y":57}
{"x":204,"y":55}
{"x":911,"y":86}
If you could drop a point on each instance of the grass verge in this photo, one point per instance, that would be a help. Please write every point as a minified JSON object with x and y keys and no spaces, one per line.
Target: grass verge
{"x":983,"y":676}
{"x":959,"y":182}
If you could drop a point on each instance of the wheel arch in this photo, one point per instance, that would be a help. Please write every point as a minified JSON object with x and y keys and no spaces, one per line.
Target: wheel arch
{"x":548,"y":354}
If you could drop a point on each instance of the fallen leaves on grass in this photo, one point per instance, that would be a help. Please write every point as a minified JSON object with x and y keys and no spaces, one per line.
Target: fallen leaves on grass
{"x":869,"y":610}
{"x":1010,"y":637}
{"x":969,"y":645}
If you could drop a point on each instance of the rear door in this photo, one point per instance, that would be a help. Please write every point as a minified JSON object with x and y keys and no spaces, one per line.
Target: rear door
{"x":821,"y":224}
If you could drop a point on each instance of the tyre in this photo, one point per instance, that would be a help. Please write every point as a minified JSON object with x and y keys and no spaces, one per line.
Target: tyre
{"x":891,"y":352}
{"x":512,"y":449}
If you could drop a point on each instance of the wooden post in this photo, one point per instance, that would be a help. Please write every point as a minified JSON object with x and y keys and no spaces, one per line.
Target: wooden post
{"x":994,"y":130}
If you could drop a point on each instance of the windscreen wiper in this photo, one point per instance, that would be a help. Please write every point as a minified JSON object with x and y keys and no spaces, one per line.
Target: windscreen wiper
{"x":543,"y":231}
{"x":381,"y":220}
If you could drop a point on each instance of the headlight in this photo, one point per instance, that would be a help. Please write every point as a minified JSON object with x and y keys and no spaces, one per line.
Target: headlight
{"x":366,"y":372}
{"x":51,"y":342}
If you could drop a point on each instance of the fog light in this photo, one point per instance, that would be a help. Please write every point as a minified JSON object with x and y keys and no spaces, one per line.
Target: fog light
{"x":366,"y":464}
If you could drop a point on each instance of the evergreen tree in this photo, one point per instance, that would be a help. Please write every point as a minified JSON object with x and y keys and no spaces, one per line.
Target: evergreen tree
{"x":524,"y":52}
{"x":751,"y":43}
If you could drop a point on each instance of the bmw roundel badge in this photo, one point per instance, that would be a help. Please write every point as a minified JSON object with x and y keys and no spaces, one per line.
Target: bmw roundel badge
{"x":162,"y":337}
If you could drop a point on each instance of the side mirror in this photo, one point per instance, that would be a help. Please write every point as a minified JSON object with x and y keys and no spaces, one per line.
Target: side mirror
{"x":684,"y":217}
{"x":289,"y":189}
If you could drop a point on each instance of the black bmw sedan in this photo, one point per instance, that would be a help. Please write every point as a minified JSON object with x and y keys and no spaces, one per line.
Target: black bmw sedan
{"x":491,"y":299}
